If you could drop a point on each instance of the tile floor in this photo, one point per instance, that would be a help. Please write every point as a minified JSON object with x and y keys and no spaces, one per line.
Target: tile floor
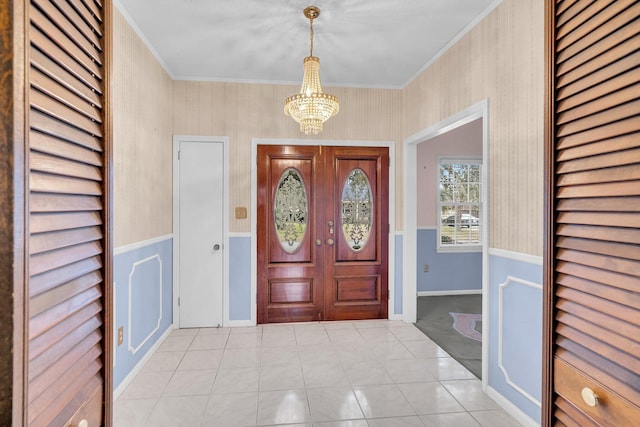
{"x":374,"y":373}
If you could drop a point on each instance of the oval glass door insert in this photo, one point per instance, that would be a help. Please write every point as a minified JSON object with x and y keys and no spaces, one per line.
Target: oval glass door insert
{"x":357,"y":213}
{"x":290,"y":210}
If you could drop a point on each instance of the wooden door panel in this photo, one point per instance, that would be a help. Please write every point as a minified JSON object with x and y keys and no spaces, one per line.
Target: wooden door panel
{"x":290,"y":281}
{"x":360,"y":284}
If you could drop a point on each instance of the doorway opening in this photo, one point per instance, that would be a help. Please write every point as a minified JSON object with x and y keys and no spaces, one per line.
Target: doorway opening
{"x":446,"y":225}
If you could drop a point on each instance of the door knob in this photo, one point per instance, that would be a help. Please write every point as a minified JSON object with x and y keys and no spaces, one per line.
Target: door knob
{"x":590,"y":397}
{"x":216,"y":247}
{"x":330,"y":242}
{"x":318,"y":242}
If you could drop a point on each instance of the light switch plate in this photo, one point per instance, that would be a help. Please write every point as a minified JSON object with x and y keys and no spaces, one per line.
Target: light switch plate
{"x":241,"y":213}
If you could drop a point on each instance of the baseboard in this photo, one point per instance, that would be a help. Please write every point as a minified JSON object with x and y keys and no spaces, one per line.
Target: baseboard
{"x":238,"y":323}
{"x":136,"y":369}
{"x":396,"y":317}
{"x":512,"y":409}
{"x":443,"y":293}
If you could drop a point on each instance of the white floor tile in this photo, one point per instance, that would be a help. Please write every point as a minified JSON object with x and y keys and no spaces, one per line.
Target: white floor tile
{"x":408,"y":371}
{"x":382,"y":401}
{"x":190,"y":383}
{"x":397,"y":422}
{"x":184,"y":332}
{"x":495,"y":418}
{"x":176,"y":343}
{"x":236,"y":380}
{"x":429,"y":398}
{"x":338,"y":336}
{"x":178,"y":412}
{"x":214,"y":331}
{"x":133,"y":412}
{"x":458,"y":419}
{"x":283,"y":407}
{"x":344,"y":423}
{"x":424,"y":349}
{"x":367,"y":372}
{"x":333,"y":404}
{"x":469,"y":393}
{"x":373,"y":373}
{"x":240,"y":358}
{"x":281,"y":377}
{"x":274,"y":356}
{"x":447,"y":368}
{"x":231,"y":410}
{"x":200,"y":359}
{"x":244,"y":340}
{"x":147,"y":385}
{"x":163,"y":361}
{"x":408,"y":333}
{"x":324,"y":375}
{"x":208,"y":342}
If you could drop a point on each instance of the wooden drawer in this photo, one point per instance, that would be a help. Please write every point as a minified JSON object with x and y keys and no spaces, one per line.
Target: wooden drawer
{"x":91,"y":411}
{"x":610,"y":410}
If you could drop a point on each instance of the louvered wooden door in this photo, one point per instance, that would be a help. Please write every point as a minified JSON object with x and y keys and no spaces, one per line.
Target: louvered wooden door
{"x":592,"y":309}
{"x":67,"y":224}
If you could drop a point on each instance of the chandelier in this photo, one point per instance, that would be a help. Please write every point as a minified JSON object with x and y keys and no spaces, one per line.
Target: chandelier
{"x":311,"y":107}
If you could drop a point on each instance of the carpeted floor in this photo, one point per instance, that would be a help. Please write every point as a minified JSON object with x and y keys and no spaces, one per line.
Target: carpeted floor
{"x":454,"y":322}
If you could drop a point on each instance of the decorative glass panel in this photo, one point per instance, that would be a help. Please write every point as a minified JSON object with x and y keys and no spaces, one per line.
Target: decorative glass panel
{"x":290,"y":210}
{"x":356,"y":209}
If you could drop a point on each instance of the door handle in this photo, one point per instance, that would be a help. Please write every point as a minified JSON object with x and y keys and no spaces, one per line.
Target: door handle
{"x":216,"y":247}
{"x":330,"y":227}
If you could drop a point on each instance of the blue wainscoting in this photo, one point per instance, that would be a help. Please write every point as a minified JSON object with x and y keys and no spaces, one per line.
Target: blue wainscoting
{"x":240,"y":278}
{"x":397,"y":290}
{"x":515,"y":336}
{"x":445,"y":272}
{"x":143,"y":282}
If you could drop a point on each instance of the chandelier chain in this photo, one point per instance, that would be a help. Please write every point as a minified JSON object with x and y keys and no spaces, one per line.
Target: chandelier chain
{"x":311,"y":37}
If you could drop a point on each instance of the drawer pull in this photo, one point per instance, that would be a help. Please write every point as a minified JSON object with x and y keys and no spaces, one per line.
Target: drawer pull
{"x":589,"y":397}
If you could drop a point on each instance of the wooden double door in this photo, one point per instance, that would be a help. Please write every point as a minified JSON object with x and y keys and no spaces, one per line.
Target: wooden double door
{"x":323,"y":233}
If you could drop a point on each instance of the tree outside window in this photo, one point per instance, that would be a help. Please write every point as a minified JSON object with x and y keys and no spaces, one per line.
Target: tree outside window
{"x":460,"y":203}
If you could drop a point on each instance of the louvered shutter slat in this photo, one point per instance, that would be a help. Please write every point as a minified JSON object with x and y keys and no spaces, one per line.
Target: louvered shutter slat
{"x":67,"y":210}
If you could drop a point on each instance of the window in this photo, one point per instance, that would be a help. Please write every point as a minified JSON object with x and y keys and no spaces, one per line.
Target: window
{"x":459,"y":204}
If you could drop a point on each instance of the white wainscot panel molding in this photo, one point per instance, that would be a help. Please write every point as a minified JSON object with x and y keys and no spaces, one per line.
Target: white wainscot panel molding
{"x":511,"y":282}
{"x":158,"y":261}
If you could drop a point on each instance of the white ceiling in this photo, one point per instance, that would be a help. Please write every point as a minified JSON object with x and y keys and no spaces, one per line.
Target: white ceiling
{"x":360,"y":43}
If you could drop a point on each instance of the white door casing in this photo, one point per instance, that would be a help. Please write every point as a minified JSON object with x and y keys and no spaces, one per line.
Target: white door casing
{"x":199,"y":229}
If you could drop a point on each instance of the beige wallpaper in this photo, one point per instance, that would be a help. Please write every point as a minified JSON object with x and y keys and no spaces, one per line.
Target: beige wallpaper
{"x":142,"y":138}
{"x":501,"y":59}
{"x":244,"y":111}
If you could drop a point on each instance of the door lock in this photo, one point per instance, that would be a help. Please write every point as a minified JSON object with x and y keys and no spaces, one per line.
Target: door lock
{"x":216,"y":247}
{"x":330,"y":227}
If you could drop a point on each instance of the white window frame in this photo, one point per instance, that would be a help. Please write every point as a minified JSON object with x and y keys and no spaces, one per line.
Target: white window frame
{"x":469,"y":247}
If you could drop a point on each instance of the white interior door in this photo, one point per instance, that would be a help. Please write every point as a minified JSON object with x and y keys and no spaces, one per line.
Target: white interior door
{"x":201,"y":234}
